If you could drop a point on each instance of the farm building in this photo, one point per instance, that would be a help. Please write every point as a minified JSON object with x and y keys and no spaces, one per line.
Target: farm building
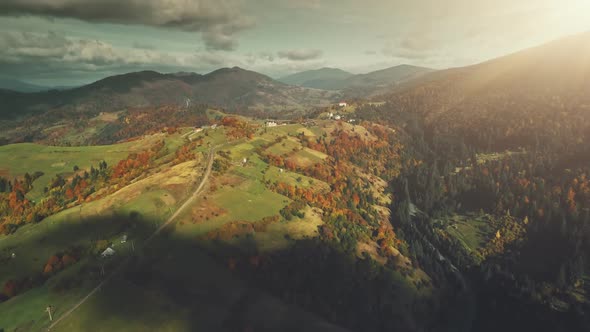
{"x":342,"y":104}
{"x":271,"y":123}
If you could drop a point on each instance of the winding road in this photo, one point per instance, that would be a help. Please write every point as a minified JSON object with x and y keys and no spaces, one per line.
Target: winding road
{"x":169,"y":221}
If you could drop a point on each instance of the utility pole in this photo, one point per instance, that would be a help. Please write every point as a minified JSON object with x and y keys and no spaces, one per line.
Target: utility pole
{"x":48,"y":309}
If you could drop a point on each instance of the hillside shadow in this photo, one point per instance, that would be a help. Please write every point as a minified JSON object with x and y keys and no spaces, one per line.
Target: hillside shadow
{"x":179,"y":283}
{"x":173,"y":283}
{"x":506,"y":300}
{"x":176,"y":283}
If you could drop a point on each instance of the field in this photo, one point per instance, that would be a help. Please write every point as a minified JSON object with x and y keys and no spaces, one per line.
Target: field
{"x":282,"y":234}
{"x":472,"y":231}
{"x":133,"y":302}
{"x":34,"y":244}
{"x":484,"y":158}
{"x":308,"y":157}
{"x":240,"y":195}
{"x":18,"y":159}
{"x":273,"y":174}
{"x":135,"y":211}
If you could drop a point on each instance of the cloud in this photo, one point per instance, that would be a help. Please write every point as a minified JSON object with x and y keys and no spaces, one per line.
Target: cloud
{"x":281,"y":69}
{"x":143,"y":46}
{"x":303,"y":4}
{"x":221,"y":37}
{"x":300,"y":55}
{"x":254,"y":58}
{"x":405,"y":53}
{"x":268,"y":56}
{"x":214,"y":60}
{"x":418,"y":44}
{"x":217,"y":20}
{"x":54,"y":56}
{"x":24,"y":47}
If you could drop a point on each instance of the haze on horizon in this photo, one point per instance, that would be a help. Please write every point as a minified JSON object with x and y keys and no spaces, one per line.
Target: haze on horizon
{"x":70,"y":42}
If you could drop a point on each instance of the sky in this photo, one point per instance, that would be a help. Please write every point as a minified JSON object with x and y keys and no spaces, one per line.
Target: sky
{"x":73,"y":42}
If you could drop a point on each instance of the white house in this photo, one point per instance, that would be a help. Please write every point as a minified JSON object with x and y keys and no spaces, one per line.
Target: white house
{"x":330,"y":115}
{"x":342,"y":104}
{"x":337,"y":117}
{"x":107,"y":253}
{"x":198,"y":130}
{"x":271,"y":124}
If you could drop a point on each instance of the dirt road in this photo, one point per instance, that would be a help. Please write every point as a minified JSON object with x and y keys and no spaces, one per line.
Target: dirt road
{"x":170,"y":220}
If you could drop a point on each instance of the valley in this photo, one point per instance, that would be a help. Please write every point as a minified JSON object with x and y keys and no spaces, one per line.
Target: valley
{"x":408,"y":200}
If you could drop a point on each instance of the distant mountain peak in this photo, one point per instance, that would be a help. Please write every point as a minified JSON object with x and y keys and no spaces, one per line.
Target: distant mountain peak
{"x":322,"y":78}
{"x":337,"y":79}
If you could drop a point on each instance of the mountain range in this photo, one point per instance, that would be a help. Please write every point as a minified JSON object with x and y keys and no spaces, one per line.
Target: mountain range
{"x":337,"y":79}
{"x":323,"y":78}
{"x":450,"y":200}
{"x":19,"y":86}
{"x":447,"y":97}
{"x":232,"y":88}
{"x":16,"y":85}
{"x":541,"y":91}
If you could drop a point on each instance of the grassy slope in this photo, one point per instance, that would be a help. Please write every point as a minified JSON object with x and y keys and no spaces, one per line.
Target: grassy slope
{"x":245,"y":199}
{"x":473,"y":232}
{"x":18,"y":159}
{"x":249,"y":201}
{"x":155,"y":197}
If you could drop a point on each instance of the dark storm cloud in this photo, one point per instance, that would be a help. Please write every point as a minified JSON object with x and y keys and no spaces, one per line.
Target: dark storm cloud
{"x":300,"y":55}
{"x":217,"y":20}
{"x":221,"y":36}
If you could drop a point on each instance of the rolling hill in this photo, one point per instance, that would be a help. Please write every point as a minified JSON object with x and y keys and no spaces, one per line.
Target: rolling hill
{"x":387,"y":76}
{"x":360,"y":85}
{"x":228,"y":87}
{"x":232,"y":202}
{"x":324,"y":78}
{"x":16,"y":85}
{"x":539,"y":92}
{"x":457,"y":200}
